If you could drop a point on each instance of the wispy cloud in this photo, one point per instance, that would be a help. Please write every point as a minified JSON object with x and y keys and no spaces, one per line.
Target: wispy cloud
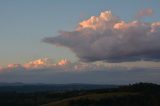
{"x":14,"y":66}
{"x":1,"y":68}
{"x":144,"y":12}
{"x":109,"y":38}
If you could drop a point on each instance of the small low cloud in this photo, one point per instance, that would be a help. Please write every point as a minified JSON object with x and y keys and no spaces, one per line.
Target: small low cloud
{"x":46,"y":63}
{"x":39,"y":63}
{"x":42,"y":63}
{"x":63,"y":62}
{"x":108,"y":38}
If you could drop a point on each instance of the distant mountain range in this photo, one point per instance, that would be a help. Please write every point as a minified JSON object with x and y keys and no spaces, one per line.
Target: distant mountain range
{"x":22,"y":87}
{"x":11,"y":84}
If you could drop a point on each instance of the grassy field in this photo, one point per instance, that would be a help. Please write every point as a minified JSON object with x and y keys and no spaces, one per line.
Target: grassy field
{"x":90,"y":97}
{"x":133,"y":95}
{"x":140,"y":94}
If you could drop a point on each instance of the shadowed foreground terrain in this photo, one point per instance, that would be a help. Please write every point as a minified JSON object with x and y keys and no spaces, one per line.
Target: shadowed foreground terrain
{"x":140,"y":94}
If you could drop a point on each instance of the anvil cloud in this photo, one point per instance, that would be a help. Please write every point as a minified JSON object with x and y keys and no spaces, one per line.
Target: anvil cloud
{"x":109,"y":38}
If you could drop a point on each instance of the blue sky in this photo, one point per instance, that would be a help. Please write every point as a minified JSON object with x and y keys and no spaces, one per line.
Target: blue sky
{"x":23,"y":23}
{"x":56,"y":41}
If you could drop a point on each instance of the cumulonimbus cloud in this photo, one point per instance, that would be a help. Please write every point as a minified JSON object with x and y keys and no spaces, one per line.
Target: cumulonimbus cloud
{"x":109,"y":38}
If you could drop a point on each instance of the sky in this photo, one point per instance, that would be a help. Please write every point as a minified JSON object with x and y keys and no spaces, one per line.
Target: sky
{"x":87,"y":41}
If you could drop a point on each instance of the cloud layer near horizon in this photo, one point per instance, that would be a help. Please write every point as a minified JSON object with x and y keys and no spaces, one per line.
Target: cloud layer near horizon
{"x":87,"y":74}
{"x":47,"y":71}
{"x":43,"y":63}
{"x":109,"y":38}
{"x":66,"y":65}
